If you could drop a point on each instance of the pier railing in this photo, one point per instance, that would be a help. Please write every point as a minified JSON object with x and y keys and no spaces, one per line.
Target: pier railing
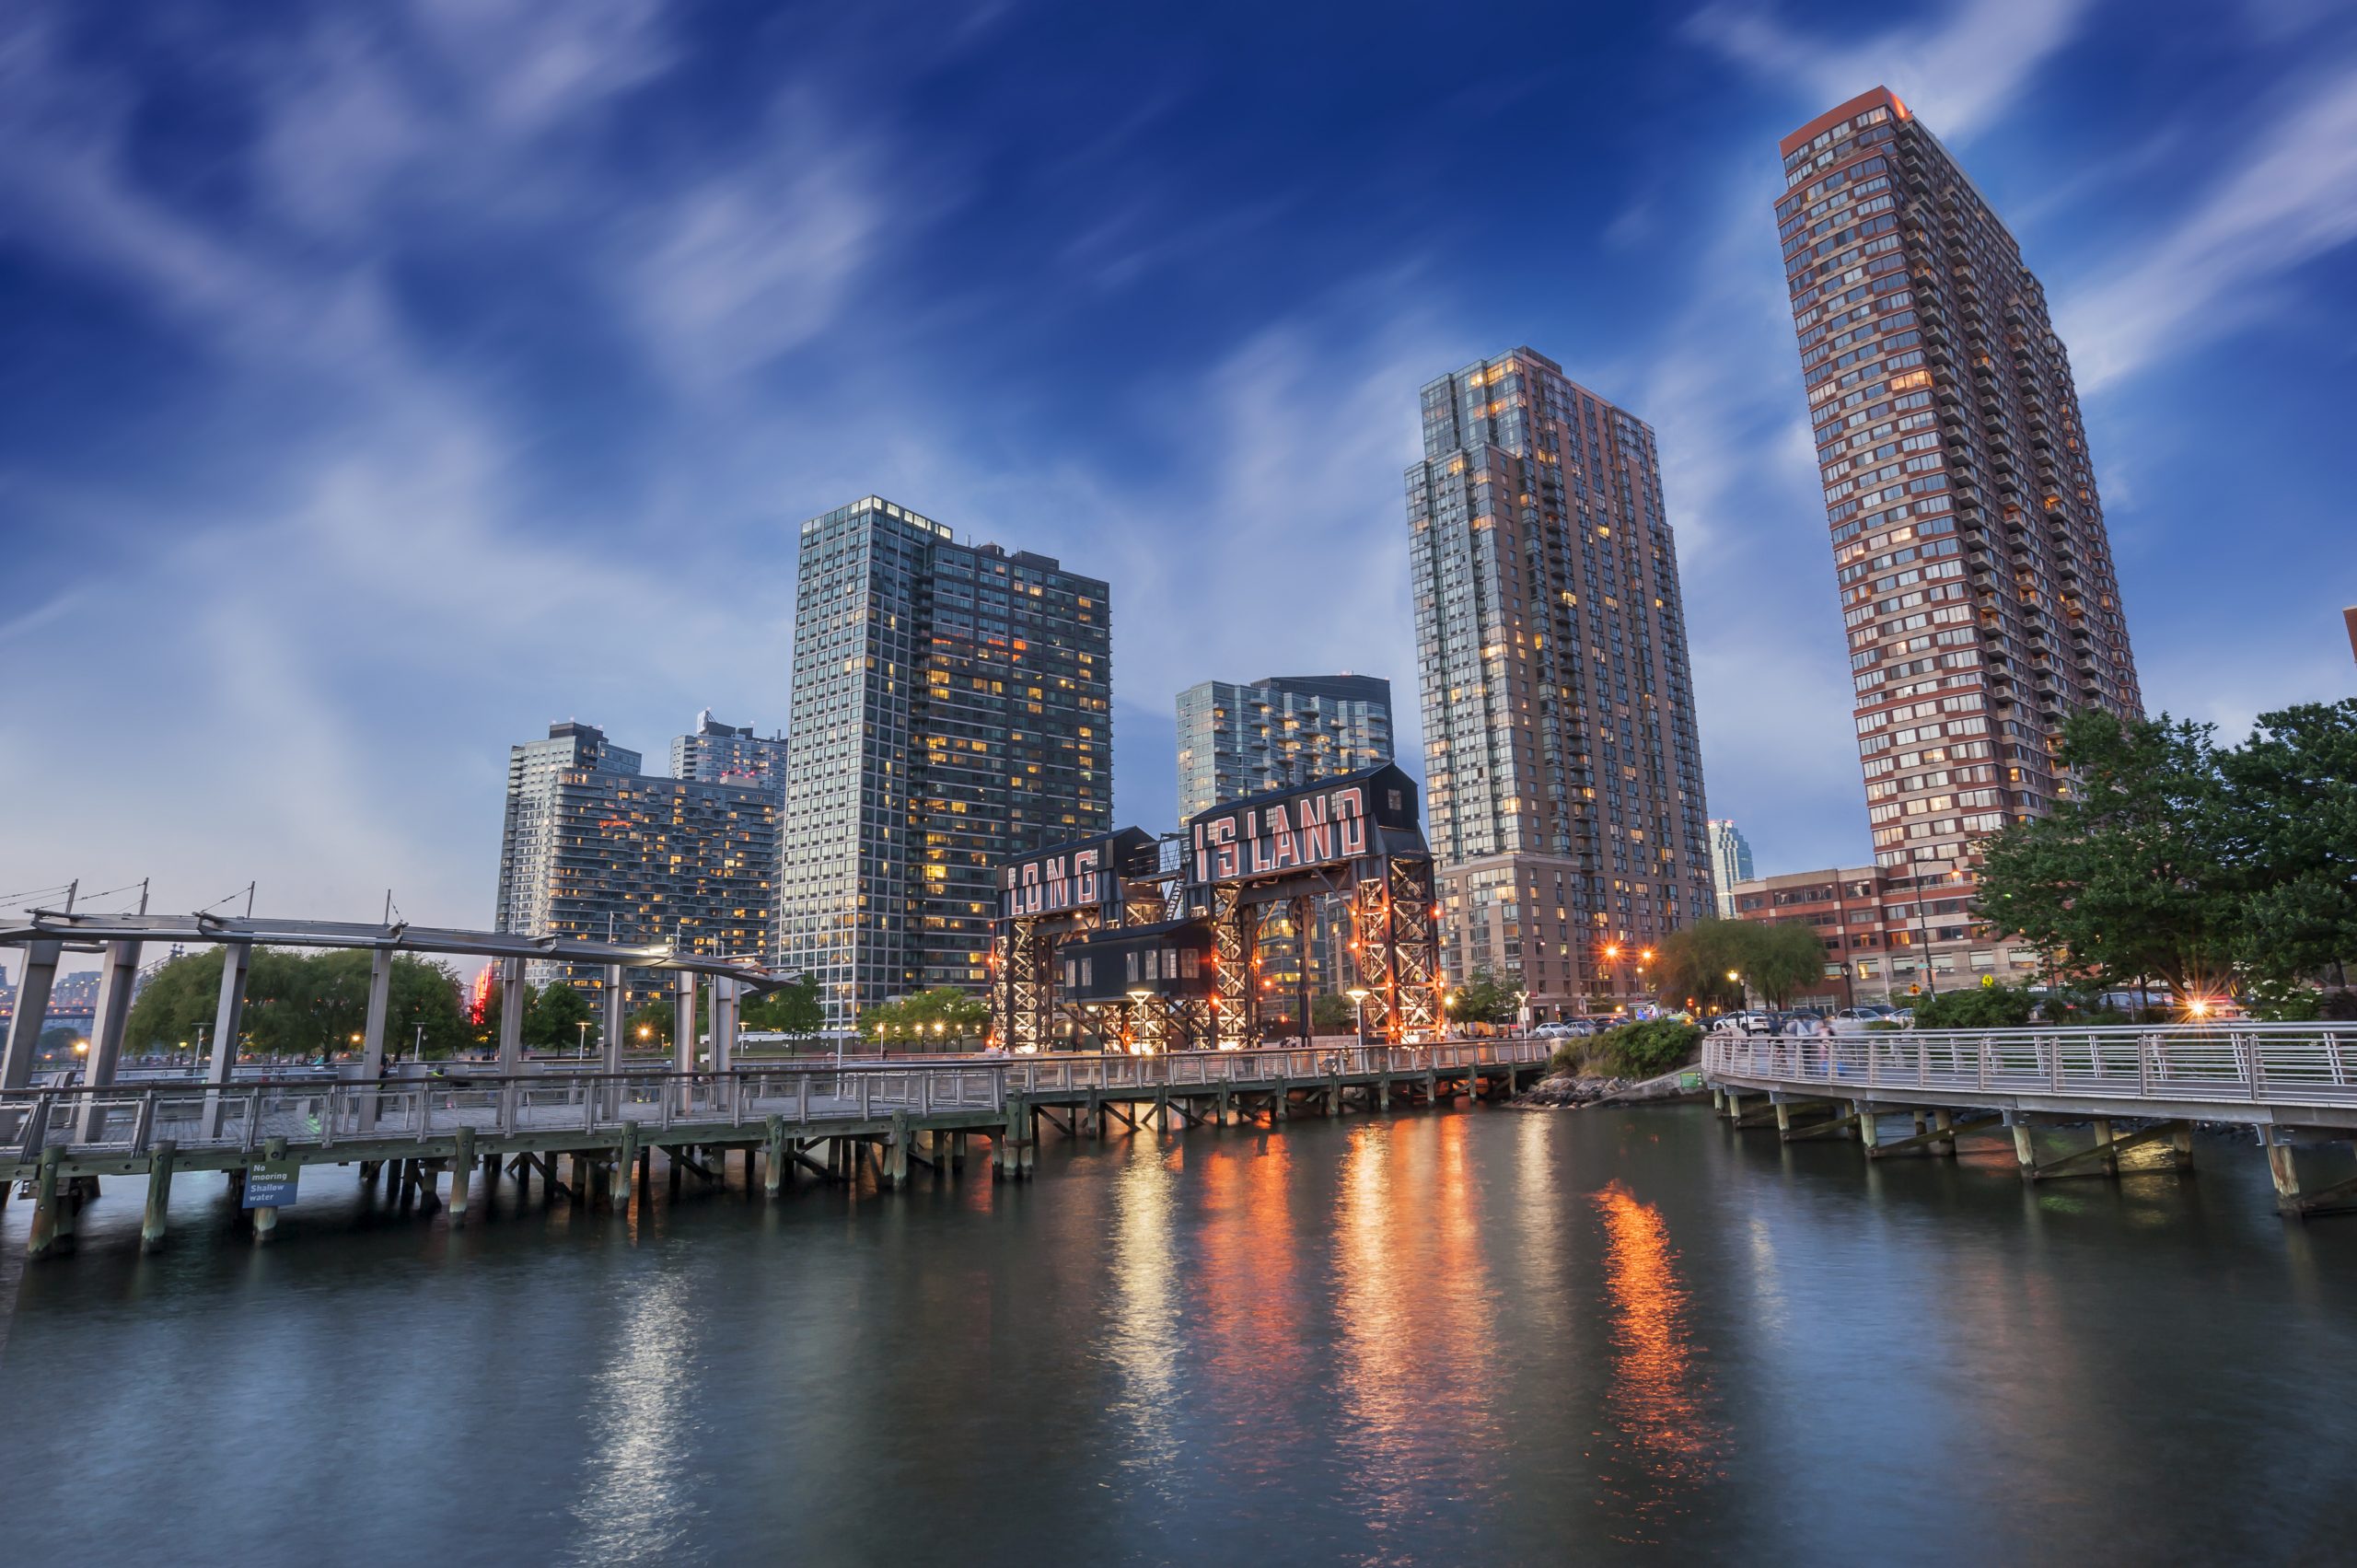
{"x":131,"y":1118}
{"x":2288,"y":1064}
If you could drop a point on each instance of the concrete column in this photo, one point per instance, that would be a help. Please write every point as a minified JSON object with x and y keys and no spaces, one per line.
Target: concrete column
{"x":2279,"y":1166}
{"x":266,"y":1217}
{"x":1868,"y":1129}
{"x":2024,"y":1155}
{"x":372,"y":1038}
{"x":40,"y":973}
{"x":511,"y":1016}
{"x":44,"y":1235}
{"x":2103,"y":1139}
{"x":2181,"y":1144}
{"x":116,"y":981}
{"x":684,"y":1022}
{"x":1945,"y":1122}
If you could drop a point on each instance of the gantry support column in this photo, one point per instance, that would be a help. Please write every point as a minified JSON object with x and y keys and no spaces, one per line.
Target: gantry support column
{"x":40,"y":973}
{"x":117,"y":981}
{"x":611,"y":1041}
{"x":724,"y":1023}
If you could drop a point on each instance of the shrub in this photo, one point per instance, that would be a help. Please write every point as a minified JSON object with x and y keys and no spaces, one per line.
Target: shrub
{"x":1646,"y":1050}
{"x":1978,"y":1008}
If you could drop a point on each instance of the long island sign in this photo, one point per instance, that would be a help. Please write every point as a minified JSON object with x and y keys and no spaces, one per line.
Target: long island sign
{"x":1330,"y":822}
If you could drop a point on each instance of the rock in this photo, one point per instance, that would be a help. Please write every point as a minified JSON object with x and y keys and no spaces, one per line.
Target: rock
{"x":1570,"y":1088}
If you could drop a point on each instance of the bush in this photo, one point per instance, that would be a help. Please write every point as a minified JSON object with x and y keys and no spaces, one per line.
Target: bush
{"x":1979,"y":1008}
{"x":1646,"y":1050}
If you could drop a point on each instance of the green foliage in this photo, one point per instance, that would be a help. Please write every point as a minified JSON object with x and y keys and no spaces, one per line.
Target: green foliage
{"x":1633,"y":1050}
{"x":300,"y":1003}
{"x":1334,"y":1014}
{"x":553,"y":1020}
{"x":1692,"y":964}
{"x":2175,"y":859}
{"x":649,"y":1029}
{"x":794,"y":1010}
{"x":961,"y":1014}
{"x":1775,"y":958}
{"x":1486,"y":998}
{"x":1975,"y":1007}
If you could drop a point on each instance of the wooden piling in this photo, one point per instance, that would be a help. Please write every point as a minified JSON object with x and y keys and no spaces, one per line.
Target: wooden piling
{"x":159,"y":1194}
{"x":896,"y":1168}
{"x":627,"y":1166}
{"x":44,"y":1238}
{"x":773,"y":1174}
{"x":266,"y":1217}
{"x":462,"y":1169}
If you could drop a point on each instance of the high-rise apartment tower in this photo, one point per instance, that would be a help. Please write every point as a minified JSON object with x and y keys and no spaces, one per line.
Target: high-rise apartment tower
{"x":952,"y":706}
{"x":1564,"y":773}
{"x":593,"y":848}
{"x":725,"y":753}
{"x":1282,"y":730}
{"x":1968,"y":545}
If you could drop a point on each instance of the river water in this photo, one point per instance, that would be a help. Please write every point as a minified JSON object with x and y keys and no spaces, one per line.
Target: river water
{"x":1437,"y":1337}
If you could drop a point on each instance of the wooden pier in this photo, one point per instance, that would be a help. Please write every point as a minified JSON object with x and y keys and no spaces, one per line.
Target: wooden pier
{"x":428,"y":1137}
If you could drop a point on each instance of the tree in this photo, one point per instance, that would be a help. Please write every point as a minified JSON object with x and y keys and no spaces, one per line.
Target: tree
{"x":2288,"y":826}
{"x":960,"y":1015}
{"x":795,"y":1010}
{"x":1780,"y":957}
{"x":1334,"y":1014}
{"x":2128,"y":878}
{"x":553,"y":1017}
{"x":649,"y":1029}
{"x":1989,"y":1006}
{"x":1488,"y":999}
{"x":298,"y":1004}
{"x":1692,"y":963}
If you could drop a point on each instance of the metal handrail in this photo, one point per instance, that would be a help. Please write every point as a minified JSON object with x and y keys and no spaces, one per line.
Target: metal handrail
{"x":130,"y":1118}
{"x":2251,"y":1064}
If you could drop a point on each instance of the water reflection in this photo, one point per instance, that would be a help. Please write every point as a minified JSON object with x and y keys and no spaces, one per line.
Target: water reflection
{"x":636,"y":1504}
{"x":1658,"y":1404}
{"x":1142,"y":1332}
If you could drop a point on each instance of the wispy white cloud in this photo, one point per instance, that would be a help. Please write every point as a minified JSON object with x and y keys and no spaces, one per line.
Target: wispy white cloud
{"x":1958,"y":71}
{"x":2290,"y":197}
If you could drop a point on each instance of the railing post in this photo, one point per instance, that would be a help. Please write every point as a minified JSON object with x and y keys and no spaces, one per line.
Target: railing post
{"x":144,"y":1127}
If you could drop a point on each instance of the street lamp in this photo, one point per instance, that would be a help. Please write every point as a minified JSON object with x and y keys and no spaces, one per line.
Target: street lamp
{"x":583,"y":1037}
{"x":1357,"y":994}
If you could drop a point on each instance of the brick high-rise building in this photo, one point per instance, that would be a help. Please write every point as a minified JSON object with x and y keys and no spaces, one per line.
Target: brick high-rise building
{"x":952,"y":706}
{"x":1968,"y":545}
{"x":1563,"y":775}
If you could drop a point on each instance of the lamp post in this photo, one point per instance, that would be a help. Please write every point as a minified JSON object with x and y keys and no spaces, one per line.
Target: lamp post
{"x":1357,"y":994}
{"x":581,"y":1038}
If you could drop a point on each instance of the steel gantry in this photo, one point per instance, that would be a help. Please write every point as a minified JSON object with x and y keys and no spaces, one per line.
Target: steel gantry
{"x":1153,"y":955}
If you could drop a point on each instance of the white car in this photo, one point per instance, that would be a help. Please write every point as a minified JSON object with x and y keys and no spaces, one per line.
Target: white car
{"x":1855,"y":1020}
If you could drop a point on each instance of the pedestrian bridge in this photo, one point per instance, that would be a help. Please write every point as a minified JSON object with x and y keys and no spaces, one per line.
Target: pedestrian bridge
{"x":2294,"y":1084}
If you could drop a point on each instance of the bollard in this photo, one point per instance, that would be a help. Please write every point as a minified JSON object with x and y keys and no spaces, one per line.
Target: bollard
{"x":159,"y":1195}
{"x":462,"y":1167}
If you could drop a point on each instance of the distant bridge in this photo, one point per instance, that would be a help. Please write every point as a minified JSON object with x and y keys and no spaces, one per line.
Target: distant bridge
{"x":2293,"y":1084}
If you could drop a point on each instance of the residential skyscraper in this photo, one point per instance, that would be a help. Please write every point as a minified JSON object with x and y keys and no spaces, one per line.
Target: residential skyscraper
{"x":1563,"y":770}
{"x":593,"y":848}
{"x":952,"y":706}
{"x":1969,"y":544}
{"x":1282,"y":730}
{"x":720,"y":753}
{"x":1730,"y":863}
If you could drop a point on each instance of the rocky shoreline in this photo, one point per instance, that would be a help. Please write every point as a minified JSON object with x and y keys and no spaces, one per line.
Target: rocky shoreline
{"x":1573,"y":1091}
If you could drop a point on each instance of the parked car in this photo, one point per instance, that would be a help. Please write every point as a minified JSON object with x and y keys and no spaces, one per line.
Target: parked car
{"x":1754,"y":1023}
{"x":1855,"y":1020}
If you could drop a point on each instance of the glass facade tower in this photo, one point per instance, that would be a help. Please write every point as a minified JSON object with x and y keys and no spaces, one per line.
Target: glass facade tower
{"x":1564,"y":773}
{"x":1970,"y":551}
{"x":1236,"y":740}
{"x":952,"y":706}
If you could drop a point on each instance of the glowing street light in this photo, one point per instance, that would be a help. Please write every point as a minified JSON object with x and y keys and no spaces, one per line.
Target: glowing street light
{"x":1357,"y":994}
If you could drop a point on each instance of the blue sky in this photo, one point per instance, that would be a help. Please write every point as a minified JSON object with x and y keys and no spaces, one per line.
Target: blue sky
{"x":382,"y":383}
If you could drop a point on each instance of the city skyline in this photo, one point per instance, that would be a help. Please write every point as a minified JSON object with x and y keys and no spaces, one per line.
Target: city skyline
{"x":410,"y":479}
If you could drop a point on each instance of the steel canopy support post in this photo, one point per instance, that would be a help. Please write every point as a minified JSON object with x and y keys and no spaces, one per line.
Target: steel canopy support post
{"x":724,"y":1023}
{"x":372,"y":1038}
{"x":611,"y":1041}
{"x":116,"y":982}
{"x":228,"y":1017}
{"x":683,"y":1021}
{"x":511,"y":1016}
{"x":32,"y":1011}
